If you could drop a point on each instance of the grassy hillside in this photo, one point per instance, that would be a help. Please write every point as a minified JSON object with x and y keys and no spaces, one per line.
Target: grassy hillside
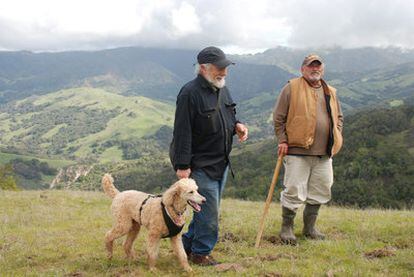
{"x":80,"y":122}
{"x":375,"y":86}
{"x":61,"y":233}
{"x":32,"y":172}
{"x":373,"y":157}
{"x":391,"y":86}
{"x":137,"y":71}
{"x":83,"y":107}
{"x":7,"y":157}
{"x":149,"y":72}
{"x":374,"y":167}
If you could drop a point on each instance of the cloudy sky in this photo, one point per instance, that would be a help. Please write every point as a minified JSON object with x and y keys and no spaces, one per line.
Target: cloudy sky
{"x":239,"y":26}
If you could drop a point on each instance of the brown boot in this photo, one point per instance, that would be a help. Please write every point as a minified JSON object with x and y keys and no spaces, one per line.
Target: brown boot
{"x":286,"y":233}
{"x":202,"y":260}
{"x":310,"y":213}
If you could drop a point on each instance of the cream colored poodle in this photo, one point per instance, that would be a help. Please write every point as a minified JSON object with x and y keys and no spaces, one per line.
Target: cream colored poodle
{"x":131,"y":209}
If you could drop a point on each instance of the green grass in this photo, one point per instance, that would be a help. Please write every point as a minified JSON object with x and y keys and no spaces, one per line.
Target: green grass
{"x":396,"y":103}
{"x":56,"y":163}
{"x":111,"y":155}
{"x":138,"y":116}
{"x":53,"y":131}
{"x":57,"y":233}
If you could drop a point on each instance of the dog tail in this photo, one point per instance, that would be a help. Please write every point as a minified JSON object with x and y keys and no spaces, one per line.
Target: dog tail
{"x":108,"y":185}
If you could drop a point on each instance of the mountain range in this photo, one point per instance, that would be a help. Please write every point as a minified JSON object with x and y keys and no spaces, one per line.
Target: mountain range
{"x":117,"y":105}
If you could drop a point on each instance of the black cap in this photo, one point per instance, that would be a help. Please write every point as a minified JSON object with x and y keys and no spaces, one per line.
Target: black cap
{"x":214,"y":56}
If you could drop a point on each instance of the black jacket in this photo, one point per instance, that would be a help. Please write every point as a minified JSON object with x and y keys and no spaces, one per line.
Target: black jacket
{"x":203,"y":128}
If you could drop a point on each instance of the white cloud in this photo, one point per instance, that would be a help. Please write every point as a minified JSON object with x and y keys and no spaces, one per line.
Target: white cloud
{"x":236,"y":25}
{"x":185,"y":20}
{"x":351,"y":23}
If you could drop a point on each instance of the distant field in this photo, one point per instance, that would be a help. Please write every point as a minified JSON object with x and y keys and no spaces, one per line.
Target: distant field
{"x":60,"y":233}
{"x":6,"y":157}
{"x":77,"y":120}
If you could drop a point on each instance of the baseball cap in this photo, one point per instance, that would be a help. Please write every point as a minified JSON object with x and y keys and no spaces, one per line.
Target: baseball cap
{"x":311,"y":58}
{"x":214,"y":56}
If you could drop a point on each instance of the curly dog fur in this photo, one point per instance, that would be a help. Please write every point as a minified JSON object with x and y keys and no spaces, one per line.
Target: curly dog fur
{"x":129,"y":217}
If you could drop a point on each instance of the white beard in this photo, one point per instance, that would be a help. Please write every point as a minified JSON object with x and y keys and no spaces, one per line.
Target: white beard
{"x":315,"y":77}
{"x":219,"y":82}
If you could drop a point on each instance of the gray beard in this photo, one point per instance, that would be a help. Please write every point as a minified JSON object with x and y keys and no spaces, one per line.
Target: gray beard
{"x":315,"y":78}
{"x":217,"y":83}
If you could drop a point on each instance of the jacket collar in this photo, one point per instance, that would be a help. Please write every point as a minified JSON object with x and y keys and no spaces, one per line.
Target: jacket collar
{"x":205,"y":84}
{"x":323,"y":84}
{"x":202,"y":81}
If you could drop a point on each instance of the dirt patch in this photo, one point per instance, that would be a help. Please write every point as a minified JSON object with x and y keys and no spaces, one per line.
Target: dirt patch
{"x":127,"y":272}
{"x":249,"y":259}
{"x":273,"y":239}
{"x":229,"y":266}
{"x":272,"y":274}
{"x":403,"y":244}
{"x":75,"y":274}
{"x":381,"y":253}
{"x":336,"y":234}
{"x":228,"y":236}
{"x":277,"y":257}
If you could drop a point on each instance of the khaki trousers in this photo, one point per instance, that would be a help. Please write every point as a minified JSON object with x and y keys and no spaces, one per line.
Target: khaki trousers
{"x":308,"y":179}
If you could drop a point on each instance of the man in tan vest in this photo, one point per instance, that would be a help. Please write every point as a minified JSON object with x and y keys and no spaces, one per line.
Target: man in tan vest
{"x":308,"y":124}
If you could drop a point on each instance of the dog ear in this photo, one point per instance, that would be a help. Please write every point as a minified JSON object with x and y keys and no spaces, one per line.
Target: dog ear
{"x":178,"y":190}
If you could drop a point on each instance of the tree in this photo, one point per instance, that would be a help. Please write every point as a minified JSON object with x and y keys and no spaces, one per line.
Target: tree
{"x":7,"y":181}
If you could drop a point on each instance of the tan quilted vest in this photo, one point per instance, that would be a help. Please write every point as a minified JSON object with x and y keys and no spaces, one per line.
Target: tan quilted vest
{"x":301,"y":120}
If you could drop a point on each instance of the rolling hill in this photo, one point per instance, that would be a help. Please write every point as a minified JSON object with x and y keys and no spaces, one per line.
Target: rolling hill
{"x":112,"y":110}
{"x":337,"y":59}
{"x":81,"y":123}
{"x":155,"y":73}
{"x":374,"y":168}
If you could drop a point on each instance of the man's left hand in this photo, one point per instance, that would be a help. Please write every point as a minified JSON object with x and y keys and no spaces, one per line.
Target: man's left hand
{"x":242,"y":132}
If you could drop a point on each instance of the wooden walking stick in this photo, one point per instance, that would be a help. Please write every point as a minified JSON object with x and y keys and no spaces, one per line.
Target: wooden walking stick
{"x":268,"y":200}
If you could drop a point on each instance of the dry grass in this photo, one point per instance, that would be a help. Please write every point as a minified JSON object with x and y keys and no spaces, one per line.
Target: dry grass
{"x":60,"y":233}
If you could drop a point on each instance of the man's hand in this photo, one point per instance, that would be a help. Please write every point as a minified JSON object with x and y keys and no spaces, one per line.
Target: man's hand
{"x":242,"y":132}
{"x":283,"y":149}
{"x":183,"y":173}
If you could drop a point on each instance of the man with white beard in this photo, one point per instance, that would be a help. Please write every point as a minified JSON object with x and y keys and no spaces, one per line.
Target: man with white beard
{"x":205,"y":122}
{"x":308,"y":124}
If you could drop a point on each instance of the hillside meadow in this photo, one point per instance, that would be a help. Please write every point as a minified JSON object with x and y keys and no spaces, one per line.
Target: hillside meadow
{"x":60,"y":233}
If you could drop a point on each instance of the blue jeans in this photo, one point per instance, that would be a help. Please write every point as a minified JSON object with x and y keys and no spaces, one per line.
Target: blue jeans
{"x":202,"y":234}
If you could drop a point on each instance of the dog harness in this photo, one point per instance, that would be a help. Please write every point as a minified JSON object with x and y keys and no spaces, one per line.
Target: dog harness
{"x":144,"y":202}
{"x":173,"y":229}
